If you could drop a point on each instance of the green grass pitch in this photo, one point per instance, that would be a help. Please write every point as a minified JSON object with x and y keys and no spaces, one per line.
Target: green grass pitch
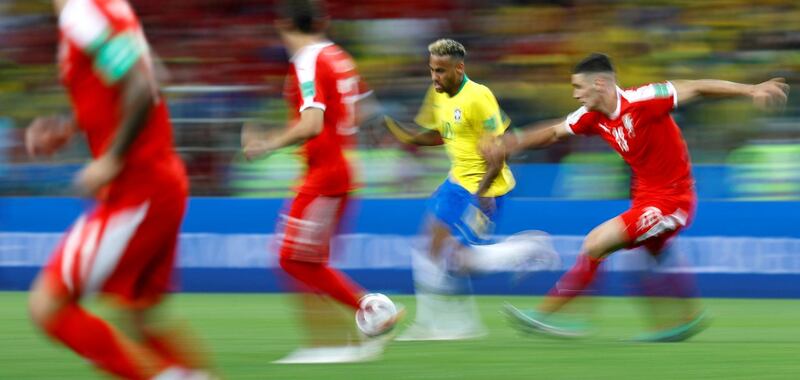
{"x":748,"y":339}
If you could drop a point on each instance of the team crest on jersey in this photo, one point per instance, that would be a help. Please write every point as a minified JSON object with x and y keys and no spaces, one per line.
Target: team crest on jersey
{"x":457,"y":114}
{"x":627,"y":121}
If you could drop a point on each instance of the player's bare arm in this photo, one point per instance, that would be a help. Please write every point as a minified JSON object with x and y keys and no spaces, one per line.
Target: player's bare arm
{"x":768,"y":95}
{"x":411,"y":133}
{"x":538,"y":135}
{"x":138,"y":97}
{"x":494,"y":162}
{"x":309,"y":126}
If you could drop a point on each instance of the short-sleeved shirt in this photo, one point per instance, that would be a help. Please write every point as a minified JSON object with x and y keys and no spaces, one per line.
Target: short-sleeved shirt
{"x":101,"y":41}
{"x":324,"y":76}
{"x":462,"y":120}
{"x":643,"y":132}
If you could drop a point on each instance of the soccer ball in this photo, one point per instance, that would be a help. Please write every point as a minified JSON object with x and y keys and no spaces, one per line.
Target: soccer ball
{"x":377,"y":315}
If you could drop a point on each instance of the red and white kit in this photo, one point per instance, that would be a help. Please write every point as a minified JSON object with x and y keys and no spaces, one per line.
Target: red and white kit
{"x":321,"y":76}
{"x":643,"y":132}
{"x":126,"y":244}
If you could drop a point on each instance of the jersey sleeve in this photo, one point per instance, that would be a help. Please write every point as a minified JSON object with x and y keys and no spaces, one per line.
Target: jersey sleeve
{"x":657,"y":98}
{"x":580,"y":122}
{"x":426,"y":117}
{"x":108,"y":31}
{"x":490,"y":118}
{"x":312,"y":81}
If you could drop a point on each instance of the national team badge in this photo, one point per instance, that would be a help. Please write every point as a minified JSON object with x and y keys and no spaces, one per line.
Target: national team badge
{"x":627,"y":121}
{"x":457,"y":114}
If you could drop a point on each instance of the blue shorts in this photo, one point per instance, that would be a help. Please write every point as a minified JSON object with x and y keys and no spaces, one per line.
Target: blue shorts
{"x":459,"y":209}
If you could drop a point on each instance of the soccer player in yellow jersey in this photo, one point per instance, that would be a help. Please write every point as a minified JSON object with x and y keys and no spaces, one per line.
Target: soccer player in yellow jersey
{"x":459,"y":114}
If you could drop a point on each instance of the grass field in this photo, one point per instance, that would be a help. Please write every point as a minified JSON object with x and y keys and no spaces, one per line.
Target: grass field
{"x":749,"y":339}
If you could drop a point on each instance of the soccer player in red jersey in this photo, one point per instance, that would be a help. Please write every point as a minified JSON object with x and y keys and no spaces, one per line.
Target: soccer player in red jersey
{"x":322,"y":89}
{"x":637,"y":124}
{"x":125,"y":246}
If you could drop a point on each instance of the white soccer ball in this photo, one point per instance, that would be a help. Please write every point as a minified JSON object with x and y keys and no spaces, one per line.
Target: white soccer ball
{"x":377,"y":315}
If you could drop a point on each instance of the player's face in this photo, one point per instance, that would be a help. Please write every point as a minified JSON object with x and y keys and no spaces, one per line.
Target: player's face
{"x":584,"y":91}
{"x":446,"y":73}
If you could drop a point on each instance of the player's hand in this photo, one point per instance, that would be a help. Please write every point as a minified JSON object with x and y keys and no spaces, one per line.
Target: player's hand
{"x":255,"y":149}
{"x":255,"y":142}
{"x":98,"y":173}
{"x":46,"y":134}
{"x":770,"y":95}
{"x":488,"y":205}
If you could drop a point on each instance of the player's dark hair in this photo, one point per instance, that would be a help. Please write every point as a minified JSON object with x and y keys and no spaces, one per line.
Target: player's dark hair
{"x":307,"y":16}
{"x":594,"y":63}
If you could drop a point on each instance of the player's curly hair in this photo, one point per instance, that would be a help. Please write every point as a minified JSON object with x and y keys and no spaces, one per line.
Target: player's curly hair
{"x":307,"y":16}
{"x":446,"y":47}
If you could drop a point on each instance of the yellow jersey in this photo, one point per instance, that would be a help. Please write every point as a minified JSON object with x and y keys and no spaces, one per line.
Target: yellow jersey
{"x":462,"y":120}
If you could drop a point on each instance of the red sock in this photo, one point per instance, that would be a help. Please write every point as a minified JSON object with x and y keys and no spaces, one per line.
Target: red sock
{"x":325,"y":279}
{"x":573,"y":283}
{"x":95,"y":340}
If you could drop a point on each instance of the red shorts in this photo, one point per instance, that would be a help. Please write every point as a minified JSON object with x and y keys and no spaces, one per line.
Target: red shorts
{"x":125,"y":248}
{"x":309,"y":226}
{"x":653,"y":222}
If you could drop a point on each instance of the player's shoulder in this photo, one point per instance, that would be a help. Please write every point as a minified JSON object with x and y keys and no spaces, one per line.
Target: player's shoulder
{"x":307,"y":57}
{"x":581,"y":114}
{"x":478,"y":89}
{"x":647,"y":92}
{"x":477,"y":93}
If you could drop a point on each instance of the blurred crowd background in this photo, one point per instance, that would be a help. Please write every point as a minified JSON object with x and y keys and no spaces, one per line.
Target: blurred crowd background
{"x":226,"y":66}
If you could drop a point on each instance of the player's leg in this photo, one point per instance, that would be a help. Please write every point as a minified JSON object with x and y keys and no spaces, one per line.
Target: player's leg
{"x":445,"y":308}
{"x":310,"y":224}
{"x":144,"y":310}
{"x":670,"y":295}
{"x":603,"y":240}
{"x":142,"y":278}
{"x":54,"y":307}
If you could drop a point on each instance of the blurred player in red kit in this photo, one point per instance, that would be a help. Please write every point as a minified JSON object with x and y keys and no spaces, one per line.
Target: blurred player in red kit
{"x":125,"y":246}
{"x":322,"y":89}
{"x":637,"y":124}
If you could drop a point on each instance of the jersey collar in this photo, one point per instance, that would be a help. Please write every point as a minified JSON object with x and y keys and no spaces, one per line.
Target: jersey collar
{"x":615,"y":115}
{"x":463,"y":83}
{"x":316,"y":45}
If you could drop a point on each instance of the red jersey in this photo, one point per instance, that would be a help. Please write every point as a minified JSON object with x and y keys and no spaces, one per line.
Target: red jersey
{"x":643,"y":132}
{"x":100,"y":42}
{"x":324,"y":76}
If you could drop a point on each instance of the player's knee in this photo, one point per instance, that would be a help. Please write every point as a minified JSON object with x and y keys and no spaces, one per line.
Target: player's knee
{"x":291,"y":266}
{"x":593,"y":247}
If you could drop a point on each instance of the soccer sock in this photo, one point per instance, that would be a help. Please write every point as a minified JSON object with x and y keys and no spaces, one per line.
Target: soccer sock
{"x":444,"y":300}
{"x":325,"y":279}
{"x":571,"y":284}
{"x":97,"y":341}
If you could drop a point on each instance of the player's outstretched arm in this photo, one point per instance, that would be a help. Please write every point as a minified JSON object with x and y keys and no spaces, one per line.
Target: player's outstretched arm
{"x":537,"y":135}
{"x":768,"y":95}
{"x":309,"y":126}
{"x":410,"y":133}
